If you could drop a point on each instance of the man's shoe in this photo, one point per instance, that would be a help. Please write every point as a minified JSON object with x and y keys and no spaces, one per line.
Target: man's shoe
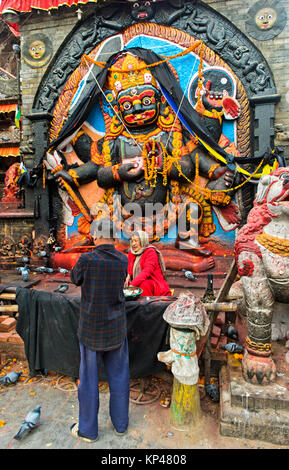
{"x":74,"y":433}
{"x":119,"y":433}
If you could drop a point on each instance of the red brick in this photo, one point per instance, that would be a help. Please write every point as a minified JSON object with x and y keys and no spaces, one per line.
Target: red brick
{"x":216,"y":331}
{"x":15,"y":338}
{"x":8,"y":324}
{"x":4,"y":336}
{"x":3,"y":317}
{"x":214,"y":341}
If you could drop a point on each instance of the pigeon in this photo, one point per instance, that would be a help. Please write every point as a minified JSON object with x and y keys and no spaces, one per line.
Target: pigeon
{"x":63,"y":270}
{"x":31,"y":421}
{"x":25,"y":259}
{"x":10,"y":378}
{"x":61,"y":288}
{"x":44,"y":269}
{"x":189,"y":275}
{"x":20,"y":269}
{"x":233,"y":347}
{"x":232,"y":332}
{"x":24,"y":271}
{"x":40,"y":269}
{"x":213,"y":392}
{"x":49,"y":270}
{"x":58,"y":248}
{"x":25,"y":274}
{"x":41,"y":254}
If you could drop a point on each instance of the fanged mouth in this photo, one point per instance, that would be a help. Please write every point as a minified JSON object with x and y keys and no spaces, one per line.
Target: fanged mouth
{"x":132,"y":118}
{"x":142,"y":14}
{"x":215,"y":98}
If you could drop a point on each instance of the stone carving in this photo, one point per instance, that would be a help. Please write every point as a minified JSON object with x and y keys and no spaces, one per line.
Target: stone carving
{"x":11,"y":187}
{"x":262,"y":255}
{"x":266,"y":20}
{"x":7,"y":247}
{"x":37,"y":50}
{"x":24,"y":245}
{"x":196,"y":19}
{"x":145,"y":132}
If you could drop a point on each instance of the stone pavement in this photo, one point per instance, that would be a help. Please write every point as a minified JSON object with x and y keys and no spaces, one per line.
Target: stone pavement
{"x":150,"y":425}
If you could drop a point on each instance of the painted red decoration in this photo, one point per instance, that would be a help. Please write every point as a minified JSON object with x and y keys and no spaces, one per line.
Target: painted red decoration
{"x":247,"y":269}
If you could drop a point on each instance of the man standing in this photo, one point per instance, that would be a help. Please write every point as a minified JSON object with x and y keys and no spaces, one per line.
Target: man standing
{"x":102,"y":332}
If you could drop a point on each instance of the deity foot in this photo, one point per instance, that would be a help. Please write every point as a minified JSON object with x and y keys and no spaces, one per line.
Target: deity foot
{"x":192,"y":248}
{"x":259,"y":370}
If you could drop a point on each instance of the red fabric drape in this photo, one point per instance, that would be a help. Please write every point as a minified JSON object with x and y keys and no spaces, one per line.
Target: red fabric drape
{"x":25,"y":6}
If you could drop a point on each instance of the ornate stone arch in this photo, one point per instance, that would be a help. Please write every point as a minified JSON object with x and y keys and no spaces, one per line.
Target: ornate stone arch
{"x":186,"y":21}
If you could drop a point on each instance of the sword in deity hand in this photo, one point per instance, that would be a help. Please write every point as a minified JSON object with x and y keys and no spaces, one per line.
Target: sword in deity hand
{"x":53,"y":164}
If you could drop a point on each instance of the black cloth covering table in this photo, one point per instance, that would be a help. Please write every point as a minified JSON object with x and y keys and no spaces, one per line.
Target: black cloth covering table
{"x":48,"y":322}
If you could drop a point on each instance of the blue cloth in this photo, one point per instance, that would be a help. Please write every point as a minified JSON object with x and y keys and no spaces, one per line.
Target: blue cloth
{"x":116,"y":364}
{"x":101,"y":275}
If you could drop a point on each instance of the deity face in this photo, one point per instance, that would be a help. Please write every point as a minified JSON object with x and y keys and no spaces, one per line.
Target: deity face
{"x":37,"y":49}
{"x":266,"y":18}
{"x":139,"y":106}
{"x":142,"y":10}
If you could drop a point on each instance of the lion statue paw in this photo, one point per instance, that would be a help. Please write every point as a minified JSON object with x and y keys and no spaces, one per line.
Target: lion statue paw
{"x":258,"y":370}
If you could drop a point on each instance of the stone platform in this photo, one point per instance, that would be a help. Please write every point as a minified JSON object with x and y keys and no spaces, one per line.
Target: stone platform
{"x":250,"y":411}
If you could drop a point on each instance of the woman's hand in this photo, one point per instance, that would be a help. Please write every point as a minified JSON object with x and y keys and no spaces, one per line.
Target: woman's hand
{"x":127,"y":281}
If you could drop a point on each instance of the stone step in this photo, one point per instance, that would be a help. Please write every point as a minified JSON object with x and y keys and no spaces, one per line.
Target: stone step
{"x":251,"y":415}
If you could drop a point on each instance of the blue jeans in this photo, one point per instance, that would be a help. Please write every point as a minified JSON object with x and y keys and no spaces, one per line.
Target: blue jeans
{"x":116,"y":364}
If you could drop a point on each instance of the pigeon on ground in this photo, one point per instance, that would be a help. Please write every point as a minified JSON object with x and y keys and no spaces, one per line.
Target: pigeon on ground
{"x":62,"y":288}
{"x":189,"y":275}
{"x":10,"y":378}
{"x":63,"y":270}
{"x":233,"y":347}
{"x":58,"y":248}
{"x":24,"y":271}
{"x":49,"y":270}
{"x":232,"y":332}
{"x":31,"y":421}
{"x":44,"y":269}
{"x":213,"y":392}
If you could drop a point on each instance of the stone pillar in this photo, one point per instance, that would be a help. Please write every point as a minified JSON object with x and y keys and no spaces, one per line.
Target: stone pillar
{"x":42,"y":197}
{"x":264,"y":112}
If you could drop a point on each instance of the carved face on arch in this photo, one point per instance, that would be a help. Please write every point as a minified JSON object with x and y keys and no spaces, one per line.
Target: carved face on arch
{"x":142,"y":10}
{"x":139,"y":105}
{"x":266,"y":18}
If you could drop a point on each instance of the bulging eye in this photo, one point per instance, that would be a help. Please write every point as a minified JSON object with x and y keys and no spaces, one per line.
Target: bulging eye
{"x":262,"y":18}
{"x":146,"y":101}
{"x":136,"y":5}
{"x":270,"y":17}
{"x":126,"y":105}
{"x":147,"y":4}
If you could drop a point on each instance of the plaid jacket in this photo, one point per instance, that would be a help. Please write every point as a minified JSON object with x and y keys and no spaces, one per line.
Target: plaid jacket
{"x":101,"y":275}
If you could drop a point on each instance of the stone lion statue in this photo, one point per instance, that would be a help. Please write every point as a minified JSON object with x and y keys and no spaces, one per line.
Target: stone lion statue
{"x":262,"y":257}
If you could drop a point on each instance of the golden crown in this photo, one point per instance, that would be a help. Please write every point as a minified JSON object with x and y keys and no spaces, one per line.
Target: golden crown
{"x":127,"y":72}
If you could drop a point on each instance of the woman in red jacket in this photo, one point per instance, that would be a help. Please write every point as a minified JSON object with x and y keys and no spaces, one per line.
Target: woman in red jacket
{"x":146,"y":267}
